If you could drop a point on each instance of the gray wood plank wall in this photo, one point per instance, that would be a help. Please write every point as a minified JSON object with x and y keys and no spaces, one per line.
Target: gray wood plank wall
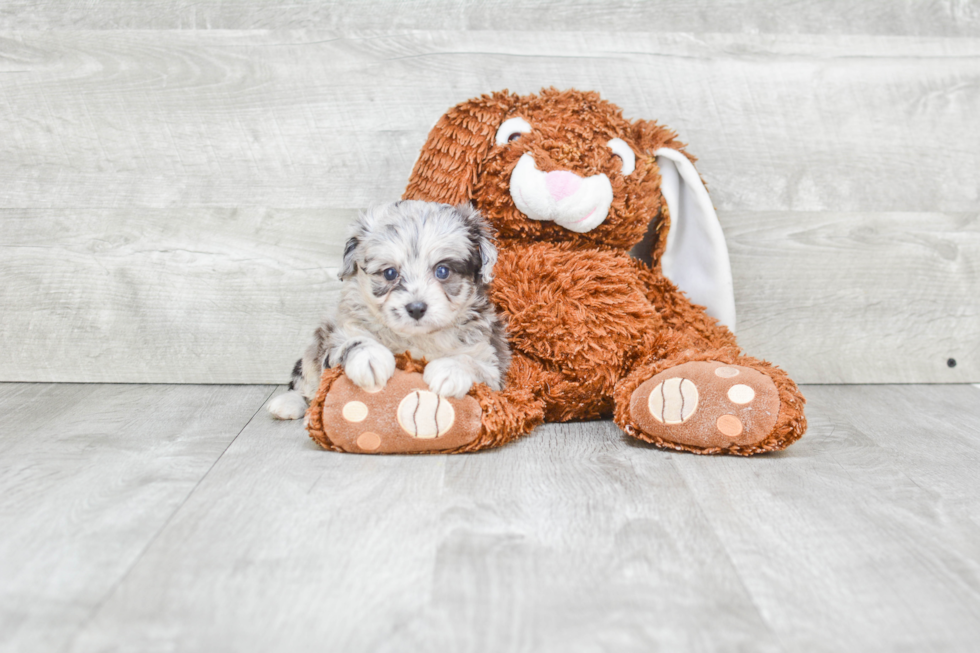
{"x":176,"y":177}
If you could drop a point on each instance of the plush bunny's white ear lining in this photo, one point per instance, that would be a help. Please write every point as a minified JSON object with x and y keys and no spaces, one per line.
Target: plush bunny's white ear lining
{"x":696,"y":257}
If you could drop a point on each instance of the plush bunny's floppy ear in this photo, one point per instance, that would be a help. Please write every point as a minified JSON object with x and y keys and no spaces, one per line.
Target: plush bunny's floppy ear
{"x":448,"y":164}
{"x":695,"y":257}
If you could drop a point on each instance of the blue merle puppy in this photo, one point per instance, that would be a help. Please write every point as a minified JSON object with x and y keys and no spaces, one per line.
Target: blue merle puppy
{"x":414,"y":279}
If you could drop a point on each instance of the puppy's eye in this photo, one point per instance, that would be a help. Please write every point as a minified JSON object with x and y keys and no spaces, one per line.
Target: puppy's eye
{"x":442,"y":272}
{"x":625,"y":153}
{"x":511,"y":129}
{"x":390,"y":274}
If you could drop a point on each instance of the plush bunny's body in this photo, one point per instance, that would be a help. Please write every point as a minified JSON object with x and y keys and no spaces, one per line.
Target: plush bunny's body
{"x":571,"y":187}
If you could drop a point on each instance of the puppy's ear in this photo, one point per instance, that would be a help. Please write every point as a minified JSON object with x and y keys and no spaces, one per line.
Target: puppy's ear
{"x":481,"y":241}
{"x":449,"y":162}
{"x":362,"y":226}
{"x":349,"y":267}
{"x":488,"y":254}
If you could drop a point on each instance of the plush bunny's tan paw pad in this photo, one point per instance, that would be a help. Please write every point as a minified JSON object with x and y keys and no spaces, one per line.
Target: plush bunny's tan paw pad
{"x":707,"y":404}
{"x":403,"y":417}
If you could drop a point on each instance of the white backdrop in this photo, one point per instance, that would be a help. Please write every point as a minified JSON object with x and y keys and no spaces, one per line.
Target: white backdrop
{"x":176,"y":178}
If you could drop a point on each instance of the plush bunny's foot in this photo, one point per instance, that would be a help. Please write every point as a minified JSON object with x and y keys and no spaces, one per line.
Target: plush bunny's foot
{"x":706,"y":406}
{"x":403,"y":417}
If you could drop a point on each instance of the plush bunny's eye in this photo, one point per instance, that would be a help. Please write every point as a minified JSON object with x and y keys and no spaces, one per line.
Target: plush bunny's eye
{"x":511,"y":129}
{"x":625,"y":153}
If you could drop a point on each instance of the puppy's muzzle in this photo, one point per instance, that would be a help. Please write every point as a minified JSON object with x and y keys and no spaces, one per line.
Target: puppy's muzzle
{"x":416,"y":309}
{"x":579,"y":204}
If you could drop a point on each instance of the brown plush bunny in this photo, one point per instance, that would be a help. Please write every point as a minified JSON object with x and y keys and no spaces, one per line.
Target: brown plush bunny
{"x":571,"y":186}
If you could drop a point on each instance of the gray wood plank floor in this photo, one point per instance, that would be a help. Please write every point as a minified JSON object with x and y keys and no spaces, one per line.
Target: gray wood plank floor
{"x":182,"y":518}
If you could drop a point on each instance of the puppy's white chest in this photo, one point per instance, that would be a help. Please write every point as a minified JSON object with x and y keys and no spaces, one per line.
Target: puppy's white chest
{"x":433,"y":346}
{"x":429,"y":353}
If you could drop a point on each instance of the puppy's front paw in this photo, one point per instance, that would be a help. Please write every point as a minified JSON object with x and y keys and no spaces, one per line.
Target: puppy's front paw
{"x":370,"y":367}
{"x":448,"y":378}
{"x":289,"y":405}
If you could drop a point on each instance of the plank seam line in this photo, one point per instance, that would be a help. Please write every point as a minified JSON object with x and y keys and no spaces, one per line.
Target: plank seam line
{"x":98,"y":606}
{"x":728,"y":556}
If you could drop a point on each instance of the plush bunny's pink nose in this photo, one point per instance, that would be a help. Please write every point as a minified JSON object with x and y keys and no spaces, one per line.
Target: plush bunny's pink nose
{"x":562,"y":183}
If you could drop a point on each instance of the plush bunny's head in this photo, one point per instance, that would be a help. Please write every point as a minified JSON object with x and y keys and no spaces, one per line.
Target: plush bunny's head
{"x":566,"y":166}
{"x":557,"y":166}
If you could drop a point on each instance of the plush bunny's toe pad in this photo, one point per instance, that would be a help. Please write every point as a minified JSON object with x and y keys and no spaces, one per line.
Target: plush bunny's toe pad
{"x":403,"y":417}
{"x":707,"y":404}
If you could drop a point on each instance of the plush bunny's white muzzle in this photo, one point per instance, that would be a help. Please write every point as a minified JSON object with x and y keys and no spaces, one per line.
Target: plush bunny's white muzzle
{"x":573,"y":202}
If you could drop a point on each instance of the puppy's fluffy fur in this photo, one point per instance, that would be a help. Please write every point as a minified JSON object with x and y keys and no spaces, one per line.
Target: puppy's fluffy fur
{"x":415,"y":276}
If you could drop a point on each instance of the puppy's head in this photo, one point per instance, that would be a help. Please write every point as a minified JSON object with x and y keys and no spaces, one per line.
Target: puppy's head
{"x":419,"y":265}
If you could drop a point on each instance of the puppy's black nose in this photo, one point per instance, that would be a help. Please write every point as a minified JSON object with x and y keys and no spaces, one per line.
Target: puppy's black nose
{"x":416,"y":309}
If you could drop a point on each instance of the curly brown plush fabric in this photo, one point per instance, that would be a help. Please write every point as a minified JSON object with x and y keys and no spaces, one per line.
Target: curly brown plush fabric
{"x":588,"y":323}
